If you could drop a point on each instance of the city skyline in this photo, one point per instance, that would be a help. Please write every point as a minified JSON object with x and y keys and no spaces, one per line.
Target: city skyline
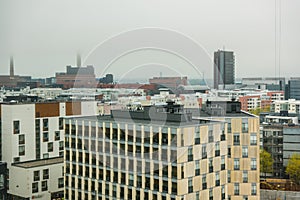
{"x":43,"y":42}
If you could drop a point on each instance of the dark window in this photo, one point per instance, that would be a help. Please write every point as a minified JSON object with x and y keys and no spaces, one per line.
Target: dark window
{"x":236,"y":139}
{"x":44,"y":186}
{"x":46,"y":174}
{"x":36,"y":175}
{"x":16,"y":125}
{"x":35,"y":187}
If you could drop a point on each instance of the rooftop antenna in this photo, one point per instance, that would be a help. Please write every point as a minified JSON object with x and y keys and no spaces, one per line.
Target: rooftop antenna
{"x":160,"y":74}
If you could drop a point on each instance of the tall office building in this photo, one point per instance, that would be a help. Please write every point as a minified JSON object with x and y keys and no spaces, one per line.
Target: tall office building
{"x":293,"y":89}
{"x":160,"y":152}
{"x":224,"y":69}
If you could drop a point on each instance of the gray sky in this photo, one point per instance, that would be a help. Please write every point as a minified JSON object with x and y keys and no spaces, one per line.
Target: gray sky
{"x":44,"y":36}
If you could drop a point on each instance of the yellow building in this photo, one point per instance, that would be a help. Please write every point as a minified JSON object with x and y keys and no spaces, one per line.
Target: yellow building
{"x":160,"y":152}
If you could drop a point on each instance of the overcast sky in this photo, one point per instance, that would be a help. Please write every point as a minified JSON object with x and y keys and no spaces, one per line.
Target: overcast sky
{"x":44,"y":36}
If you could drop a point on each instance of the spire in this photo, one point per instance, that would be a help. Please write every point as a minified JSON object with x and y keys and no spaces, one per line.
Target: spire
{"x":11,"y":71}
{"x":78,"y":59}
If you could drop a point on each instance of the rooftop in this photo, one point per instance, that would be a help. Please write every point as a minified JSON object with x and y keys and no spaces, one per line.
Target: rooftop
{"x":39,"y":163}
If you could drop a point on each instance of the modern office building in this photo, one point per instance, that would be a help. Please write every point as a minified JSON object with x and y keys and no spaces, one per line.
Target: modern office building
{"x":224,"y":69}
{"x":281,"y":139}
{"x":293,"y":89}
{"x":269,"y":83}
{"x":32,"y":139}
{"x":161,"y":152}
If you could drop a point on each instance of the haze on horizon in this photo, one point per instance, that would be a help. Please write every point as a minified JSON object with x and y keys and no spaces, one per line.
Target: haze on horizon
{"x":44,"y":36}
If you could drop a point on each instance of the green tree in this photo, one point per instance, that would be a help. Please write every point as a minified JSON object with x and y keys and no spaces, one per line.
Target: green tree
{"x":255,"y":111}
{"x":293,"y":168}
{"x":266,"y":162}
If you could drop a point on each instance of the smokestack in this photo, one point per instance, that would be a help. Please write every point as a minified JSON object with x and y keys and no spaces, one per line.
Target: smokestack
{"x":11,"y":70}
{"x":78,"y":59}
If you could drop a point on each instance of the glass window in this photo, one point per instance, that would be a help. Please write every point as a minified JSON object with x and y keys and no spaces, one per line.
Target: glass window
{"x":35,"y":187}
{"x":253,"y":139}
{"x":50,"y":147}
{"x":21,"y":150}
{"x":197,"y":169}
{"x":46,"y":174}
{"x":229,"y":176}
{"x":190,"y":185}
{"x":245,"y":126}
{"x":253,"y":164}
{"x":36,"y":175}
{"x":253,"y":189}
{"x":210,"y":165}
{"x":204,"y":185}
{"x":197,"y":135}
{"x":45,"y":137}
{"x":61,"y":123}
{"x":222,"y":162}
{"x":229,"y":127}
{"x":245,"y":176}
{"x":217,"y":179}
{"x":45,"y":124}
{"x":217,"y":149}
{"x":57,"y":135}
{"x":236,"y":139}
{"x":245,"y":151}
{"x":61,"y":145}
{"x":1,"y":181}
{"x":44,"y":186}
{"x":46,"y":155}
{"x":204,"y":153}
{"x":236,"y":189}
{"x":16,"y":125}
{"x":236,"y":164}
{"x":22,"y":139}
{"x":210,"y":136}
{"x":190,"y":154}
{"x":60,"y":182}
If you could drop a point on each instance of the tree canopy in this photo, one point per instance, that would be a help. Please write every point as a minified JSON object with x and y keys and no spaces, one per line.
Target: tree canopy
{"x":266,"y":162}
{"x":293,"y":168}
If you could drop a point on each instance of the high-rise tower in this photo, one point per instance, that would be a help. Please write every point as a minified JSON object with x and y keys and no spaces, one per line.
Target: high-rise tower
{"x":11,"y":70}
{"x":78,"y":59}
{"x":224,"y":69}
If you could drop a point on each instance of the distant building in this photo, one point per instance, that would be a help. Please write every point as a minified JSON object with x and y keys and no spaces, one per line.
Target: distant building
{"x":269,"y":83}
{"x":171,"y":83}
{"x":224,"y":69}
{"x":79,"y":77}
{"x":290,"y":106}
{"x":109,"y":78}
{"x":12,"y":80}
{"x":293,"y":89}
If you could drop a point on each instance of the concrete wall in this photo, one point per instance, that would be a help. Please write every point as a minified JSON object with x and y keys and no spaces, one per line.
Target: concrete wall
{"x":279,"y":195}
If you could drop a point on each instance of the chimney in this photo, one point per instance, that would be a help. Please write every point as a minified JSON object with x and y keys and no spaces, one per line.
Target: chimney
{"x":78,"y":59}
{"x":11,"y":71}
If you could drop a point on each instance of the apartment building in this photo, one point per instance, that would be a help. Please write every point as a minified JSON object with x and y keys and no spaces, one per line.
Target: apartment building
{"x":290,"y":106}
{"x":161,"y":152}
{"x":281,"y":139}
{"x":32,"y":135}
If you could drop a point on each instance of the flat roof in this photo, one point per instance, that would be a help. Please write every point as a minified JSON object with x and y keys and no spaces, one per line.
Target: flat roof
{"x":39,"y":163}
{"x":108,"y":118}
